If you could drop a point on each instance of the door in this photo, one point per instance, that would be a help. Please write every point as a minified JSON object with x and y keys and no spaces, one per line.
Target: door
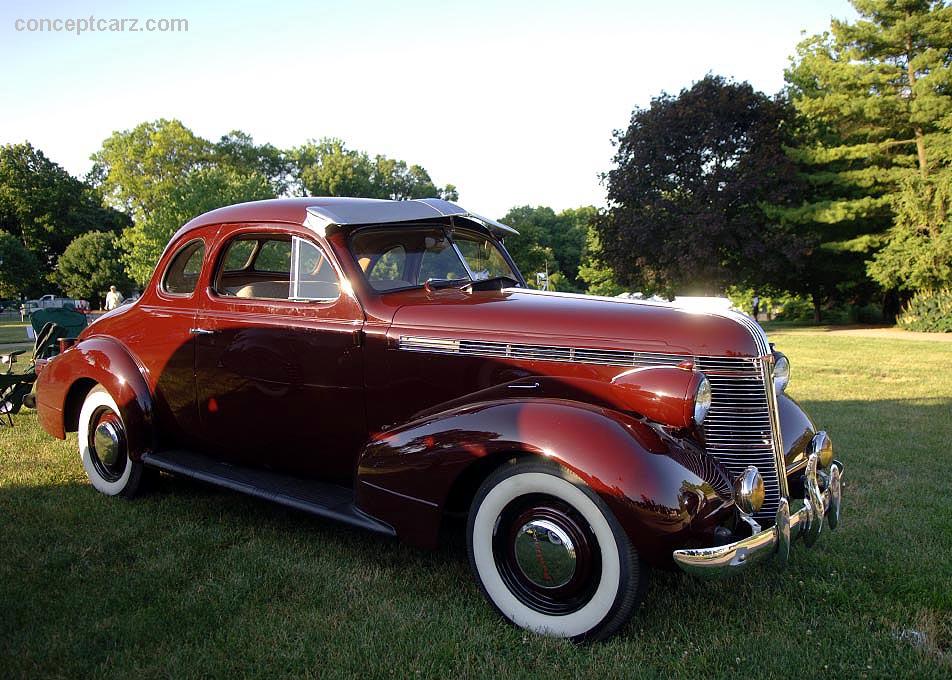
{"x":279,"y":365}
{"x":160,"y":336}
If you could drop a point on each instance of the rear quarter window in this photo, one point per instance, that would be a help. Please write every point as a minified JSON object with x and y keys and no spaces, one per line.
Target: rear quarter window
{"x":181,"y":276}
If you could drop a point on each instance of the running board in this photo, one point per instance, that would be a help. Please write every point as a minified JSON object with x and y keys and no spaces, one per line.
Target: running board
{"x":317,"y":498}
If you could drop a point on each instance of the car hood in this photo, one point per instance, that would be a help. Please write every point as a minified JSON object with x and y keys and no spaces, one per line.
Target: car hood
{"x":563,"y":319}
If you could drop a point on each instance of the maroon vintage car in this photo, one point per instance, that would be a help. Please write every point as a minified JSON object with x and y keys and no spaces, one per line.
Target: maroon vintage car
{"x":383,"y":364}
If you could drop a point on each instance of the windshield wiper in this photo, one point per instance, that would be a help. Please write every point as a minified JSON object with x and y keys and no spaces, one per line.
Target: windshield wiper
{"x":492,"y":283}
{"x":436,"y":284}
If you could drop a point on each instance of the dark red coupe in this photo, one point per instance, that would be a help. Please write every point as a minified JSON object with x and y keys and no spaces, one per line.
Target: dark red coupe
{"x":383,"y":364}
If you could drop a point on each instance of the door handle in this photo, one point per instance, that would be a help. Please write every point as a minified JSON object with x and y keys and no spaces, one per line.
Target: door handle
{"x":200,"y":331}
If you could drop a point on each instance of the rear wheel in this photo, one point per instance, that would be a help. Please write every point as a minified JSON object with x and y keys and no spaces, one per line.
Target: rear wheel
{"x":550,"y":555}
{"x":103,"y":446}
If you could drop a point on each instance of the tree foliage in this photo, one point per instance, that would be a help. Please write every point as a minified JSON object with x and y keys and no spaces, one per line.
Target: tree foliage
{"x":549,"y":241}
{"x":874,"y":109}
{"x":238,"y":152}
{"x":691,"y":175}
{"x":163,"y":175}
{"x":596,"y":275}
{"x":19,"y":269}
{"x":918,"y":255}
{"x":202,"y":190}
{"x":89,"y":265}
{"x":45,"y":207}
{"x":327,"y":167}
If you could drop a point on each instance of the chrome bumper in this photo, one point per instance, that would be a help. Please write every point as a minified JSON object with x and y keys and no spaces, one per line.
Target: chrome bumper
{"x":726,"y":560}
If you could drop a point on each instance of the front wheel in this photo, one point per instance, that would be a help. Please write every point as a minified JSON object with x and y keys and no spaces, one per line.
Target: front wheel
{"x":549,"y":554}
{"x":103,"y":446}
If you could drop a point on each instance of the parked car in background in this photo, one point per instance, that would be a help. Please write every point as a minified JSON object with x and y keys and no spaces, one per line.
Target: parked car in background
{"x":383,"y":364}
{"x":50,"y":301}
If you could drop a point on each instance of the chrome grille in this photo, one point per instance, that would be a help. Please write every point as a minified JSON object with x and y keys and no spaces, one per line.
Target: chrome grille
{"x":737,"y":430}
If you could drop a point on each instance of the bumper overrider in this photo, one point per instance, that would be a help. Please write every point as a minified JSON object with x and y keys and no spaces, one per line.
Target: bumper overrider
{"x":824,"y":493}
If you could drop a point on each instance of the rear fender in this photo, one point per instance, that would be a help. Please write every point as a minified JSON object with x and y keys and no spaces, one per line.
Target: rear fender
{"x":663,"y":491}
{"x":106,"y":362}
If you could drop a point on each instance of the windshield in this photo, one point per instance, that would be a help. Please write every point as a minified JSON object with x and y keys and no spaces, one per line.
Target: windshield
{"x":393,"y":258}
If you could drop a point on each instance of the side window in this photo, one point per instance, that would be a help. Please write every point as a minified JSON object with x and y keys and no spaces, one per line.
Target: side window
{"x":256,"y":267}
{"x":181,"y":276}
{"x":274,"y":256}
{"x":275,"y":268}
{"x":313,"y":276}
{"x":238,"y":255}
{"x":483,"y":257}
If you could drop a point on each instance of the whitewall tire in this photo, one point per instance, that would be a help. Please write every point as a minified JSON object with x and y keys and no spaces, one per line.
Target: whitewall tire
{"x":550,"y":555}
{"x":103,"y":446}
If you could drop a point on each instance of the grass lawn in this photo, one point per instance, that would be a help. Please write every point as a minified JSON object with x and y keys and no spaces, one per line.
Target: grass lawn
{"x":192,"y":581}
{"x":13,"y":333}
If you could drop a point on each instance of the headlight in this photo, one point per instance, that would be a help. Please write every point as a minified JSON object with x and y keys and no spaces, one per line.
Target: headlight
{"x":702,"y":400}
{"x":781,"y":372}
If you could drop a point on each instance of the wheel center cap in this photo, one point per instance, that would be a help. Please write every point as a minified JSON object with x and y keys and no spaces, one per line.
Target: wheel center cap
{"x":545,"y":553}
{"x":107,"y":441}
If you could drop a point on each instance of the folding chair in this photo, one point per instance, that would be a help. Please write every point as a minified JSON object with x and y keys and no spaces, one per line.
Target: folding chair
{"x":16,"y":387}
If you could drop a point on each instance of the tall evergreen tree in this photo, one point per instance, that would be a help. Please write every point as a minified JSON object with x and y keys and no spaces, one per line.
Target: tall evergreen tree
{"x":874,"y":109}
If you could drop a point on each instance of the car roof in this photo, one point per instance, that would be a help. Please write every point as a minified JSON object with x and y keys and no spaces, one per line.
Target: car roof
{"x":325,"y":213}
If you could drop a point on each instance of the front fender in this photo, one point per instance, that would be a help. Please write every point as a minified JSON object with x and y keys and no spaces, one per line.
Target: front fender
{"x":665,"y":492}
{"x":797,"y":428}
{"x":106,"y":362}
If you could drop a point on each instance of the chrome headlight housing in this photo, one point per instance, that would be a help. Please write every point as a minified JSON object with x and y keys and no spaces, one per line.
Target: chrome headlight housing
{"x":781,"y":372}
{"x":702,"y":399}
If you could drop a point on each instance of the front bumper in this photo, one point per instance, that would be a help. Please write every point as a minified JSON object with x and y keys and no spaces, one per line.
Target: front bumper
{"x":820,"y":502}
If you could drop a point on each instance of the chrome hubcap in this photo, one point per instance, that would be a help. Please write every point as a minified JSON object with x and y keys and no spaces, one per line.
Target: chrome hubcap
{"x":108,"y":443}
{"x":545,"y":554}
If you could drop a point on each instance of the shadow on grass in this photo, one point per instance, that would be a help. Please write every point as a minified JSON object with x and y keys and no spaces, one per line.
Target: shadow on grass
{"x":192,"y":566}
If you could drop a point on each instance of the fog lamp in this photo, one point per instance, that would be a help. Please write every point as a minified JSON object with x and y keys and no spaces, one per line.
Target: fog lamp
{"x":822,"y":446}
{"x":749,"y":490}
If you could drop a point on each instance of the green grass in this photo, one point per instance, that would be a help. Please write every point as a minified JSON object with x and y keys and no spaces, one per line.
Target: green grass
{"x":13,"y":333}
{"x":192,"y":581}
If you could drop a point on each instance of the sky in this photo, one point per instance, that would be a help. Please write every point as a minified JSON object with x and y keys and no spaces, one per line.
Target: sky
{"x":513,"y":102}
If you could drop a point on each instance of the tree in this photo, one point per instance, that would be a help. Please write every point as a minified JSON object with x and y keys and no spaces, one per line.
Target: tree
{"x":692,"y":174}
{"x":918,"y":255}
{"x":597,"y":276}
{"x":201,"y":190}
{"x":137,"y":169}
{"x":549,"y":241}
{"x":19,"y":269}
{"x":874,"y":107}
{"x":89,"y":265}
{"x":238,"y":151}
{"x":328,"y":168}
{"x":163,"y":175}
{"x":45,"y":207}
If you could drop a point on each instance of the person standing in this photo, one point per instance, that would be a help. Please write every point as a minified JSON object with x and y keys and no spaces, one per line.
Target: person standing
{"x":113,"y":299}
{"x":756,"y":306}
